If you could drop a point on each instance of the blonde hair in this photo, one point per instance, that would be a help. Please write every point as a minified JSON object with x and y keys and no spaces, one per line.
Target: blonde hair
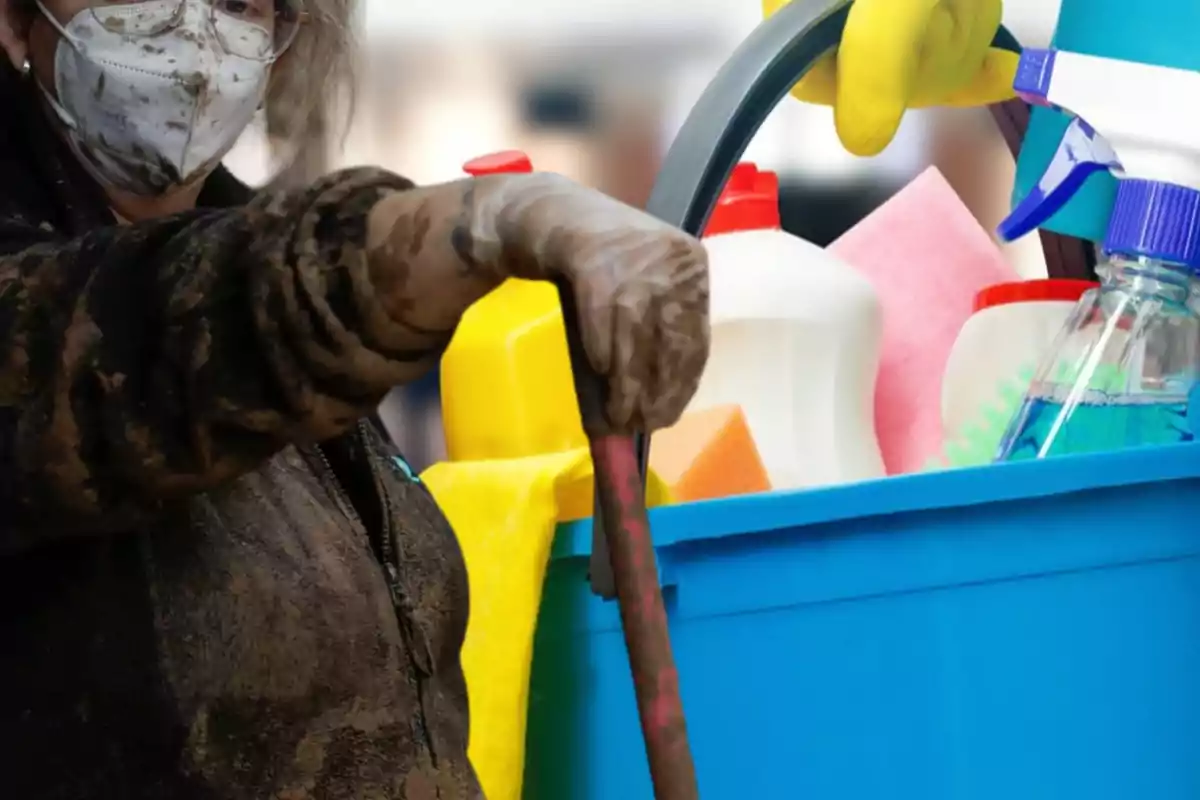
{"x":312,"y":82}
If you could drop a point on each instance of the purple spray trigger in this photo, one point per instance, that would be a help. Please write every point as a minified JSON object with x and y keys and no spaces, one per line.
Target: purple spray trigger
{"x":1081,"y":153}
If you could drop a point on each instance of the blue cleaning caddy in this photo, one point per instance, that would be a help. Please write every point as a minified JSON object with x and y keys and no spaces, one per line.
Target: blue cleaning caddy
{"x":1024,"y":631}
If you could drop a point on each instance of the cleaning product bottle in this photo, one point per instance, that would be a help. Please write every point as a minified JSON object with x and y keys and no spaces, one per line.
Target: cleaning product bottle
{"x":507,"y":390}
{"x":508,"y":395}
{"x":795,"y":341}
{"x":1124,"y":367}
{"x":1156,"y":32}
{"x":994,"y":359}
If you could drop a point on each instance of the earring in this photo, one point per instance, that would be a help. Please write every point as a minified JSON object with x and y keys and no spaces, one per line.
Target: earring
{"x":26,"y":68}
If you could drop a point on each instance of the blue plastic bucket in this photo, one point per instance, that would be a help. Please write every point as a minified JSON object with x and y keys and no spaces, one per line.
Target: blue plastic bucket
{"x":1024,"y":631}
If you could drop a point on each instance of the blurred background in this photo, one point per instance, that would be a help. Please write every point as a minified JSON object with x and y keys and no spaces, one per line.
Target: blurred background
{"x":597,"y":91}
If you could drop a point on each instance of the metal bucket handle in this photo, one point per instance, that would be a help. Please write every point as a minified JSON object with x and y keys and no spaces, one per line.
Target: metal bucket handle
{"x":734,"y":106}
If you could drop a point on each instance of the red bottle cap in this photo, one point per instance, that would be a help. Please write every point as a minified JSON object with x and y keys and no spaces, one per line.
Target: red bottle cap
{"x":506,"y":162}
{"x":1047,"y":289}
{"x":749,"y":202}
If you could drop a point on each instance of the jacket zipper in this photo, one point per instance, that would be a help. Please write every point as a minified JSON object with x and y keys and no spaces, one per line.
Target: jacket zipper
{"x":343,"y":497}
{"x":386,"y":552}
{"x":387,"y":562}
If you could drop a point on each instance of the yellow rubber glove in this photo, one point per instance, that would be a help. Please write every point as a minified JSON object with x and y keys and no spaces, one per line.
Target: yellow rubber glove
{"x":902,"y":54}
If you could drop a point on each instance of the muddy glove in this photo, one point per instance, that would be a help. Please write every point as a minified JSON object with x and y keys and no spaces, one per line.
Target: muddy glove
{"x":640,"y":286}
{"x":902,"y":54}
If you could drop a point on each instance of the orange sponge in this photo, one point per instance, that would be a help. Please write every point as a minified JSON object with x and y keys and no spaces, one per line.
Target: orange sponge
{"x":708,"y":454}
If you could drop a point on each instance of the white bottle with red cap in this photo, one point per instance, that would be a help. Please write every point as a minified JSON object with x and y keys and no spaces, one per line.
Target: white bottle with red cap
{"x":995,"y":356}
{"x":795,"y":341}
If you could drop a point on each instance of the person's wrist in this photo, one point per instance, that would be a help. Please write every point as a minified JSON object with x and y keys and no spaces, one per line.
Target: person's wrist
{"x":514,"y":224}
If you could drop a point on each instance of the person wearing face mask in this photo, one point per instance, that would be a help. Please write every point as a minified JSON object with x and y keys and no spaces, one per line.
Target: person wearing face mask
{"x":217,"y":580}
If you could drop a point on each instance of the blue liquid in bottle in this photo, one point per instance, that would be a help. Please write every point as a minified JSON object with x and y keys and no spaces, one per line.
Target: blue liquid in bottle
{"x":1123,"y":372}
{"x":1096,"y":427}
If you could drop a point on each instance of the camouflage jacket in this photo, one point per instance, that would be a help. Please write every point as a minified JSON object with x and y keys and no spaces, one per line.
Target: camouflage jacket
{"x":195,"y":603}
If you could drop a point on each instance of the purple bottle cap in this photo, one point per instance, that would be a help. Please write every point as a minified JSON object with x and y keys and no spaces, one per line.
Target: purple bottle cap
{"x":1152,"y":219}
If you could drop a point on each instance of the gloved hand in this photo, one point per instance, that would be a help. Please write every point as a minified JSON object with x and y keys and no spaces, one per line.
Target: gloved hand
{"x":902,"y":54}
{"x":640,"y":286}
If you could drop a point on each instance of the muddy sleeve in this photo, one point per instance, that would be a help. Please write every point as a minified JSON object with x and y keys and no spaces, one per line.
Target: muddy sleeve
{"x":142,"y":364}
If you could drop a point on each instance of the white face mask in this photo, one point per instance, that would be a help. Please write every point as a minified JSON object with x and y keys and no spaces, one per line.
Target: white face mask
{"x":147,"y":114}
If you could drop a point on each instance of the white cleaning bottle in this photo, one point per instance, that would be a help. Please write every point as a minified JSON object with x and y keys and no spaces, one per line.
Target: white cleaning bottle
{"x":795,"y":341}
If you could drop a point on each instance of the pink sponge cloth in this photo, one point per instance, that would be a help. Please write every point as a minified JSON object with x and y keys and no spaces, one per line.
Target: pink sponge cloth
{"x":927,"y":257}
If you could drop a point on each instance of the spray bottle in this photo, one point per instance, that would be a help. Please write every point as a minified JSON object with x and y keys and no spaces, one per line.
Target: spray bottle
{"x":1123,"y":370}
{"x":1157,"y":32}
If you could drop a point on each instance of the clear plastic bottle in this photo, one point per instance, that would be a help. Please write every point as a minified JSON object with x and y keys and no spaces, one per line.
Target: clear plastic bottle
{"x":1122,"y":370}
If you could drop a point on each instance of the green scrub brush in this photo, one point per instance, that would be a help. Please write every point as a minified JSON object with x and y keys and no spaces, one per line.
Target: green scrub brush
{"x":977,"y":442}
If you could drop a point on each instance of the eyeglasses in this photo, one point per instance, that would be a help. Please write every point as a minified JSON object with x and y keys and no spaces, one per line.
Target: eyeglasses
{"x":260,"y":30}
